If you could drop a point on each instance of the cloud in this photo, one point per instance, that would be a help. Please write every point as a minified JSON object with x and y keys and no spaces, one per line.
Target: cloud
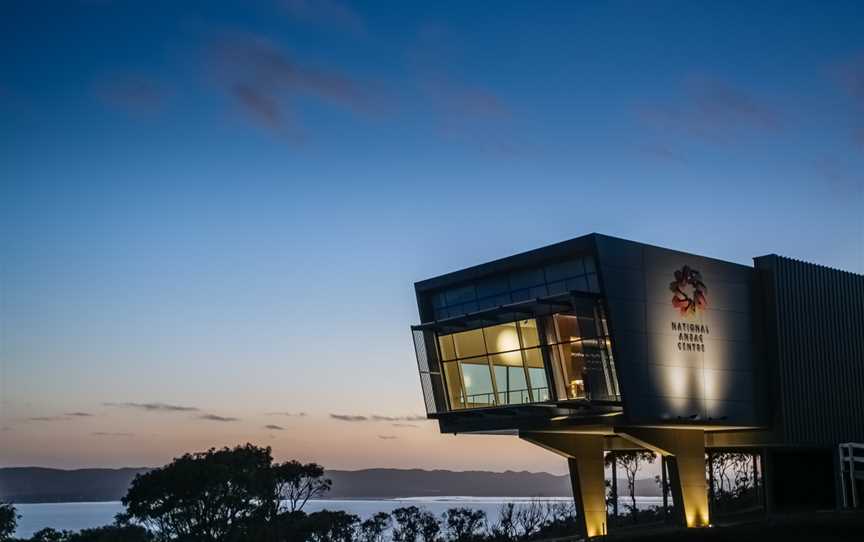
{"x":154,"y":407}
{"x":49,"y":419}
{"x":265,"y":81}
{"x":404,"y":425}
{"x":79,"y":414}
{"x":349,"y":417}
{"x":414,"y":418}
{"x":5,"y":428}
{"x":109,"y":434}
{"x":850,"y":76}
{"x":135,"y":94}
{"x":298,"y":414}
{"x":387,"y":437}
{"x":712,"y":109}
{"x":274,"y":427}
{"x":215,"y":418}
{"x":325,"y":12}
{"x":376,"y":418}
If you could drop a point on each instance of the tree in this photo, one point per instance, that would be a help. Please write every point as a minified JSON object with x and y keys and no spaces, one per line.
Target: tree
{"x":330,"y":526}
{"x":297,"y":483}
{"x":374,"y":528}
{"x":631,"y":462}
{"x":50,"y":535}
{"x":413,"y":523}
{"x":463,"y":523}
{"x":505,"y":527}
{"x":221,"y":495}
{"x":8,"y":521}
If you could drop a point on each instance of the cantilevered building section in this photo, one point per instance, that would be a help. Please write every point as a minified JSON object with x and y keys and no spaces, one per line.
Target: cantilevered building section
{"x":600,"y":344}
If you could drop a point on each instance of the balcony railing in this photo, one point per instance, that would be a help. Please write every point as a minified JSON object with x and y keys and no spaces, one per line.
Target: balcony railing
{"x":511,"y":397}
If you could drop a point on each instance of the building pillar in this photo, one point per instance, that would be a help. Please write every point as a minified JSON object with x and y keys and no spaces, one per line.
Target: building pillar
{"x":584,"y":453}
{"x":685,"y":455}
{"x":768,"y":481}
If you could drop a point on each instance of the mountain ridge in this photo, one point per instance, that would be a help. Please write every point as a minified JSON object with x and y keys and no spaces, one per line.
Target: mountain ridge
{"x":49,"y":485}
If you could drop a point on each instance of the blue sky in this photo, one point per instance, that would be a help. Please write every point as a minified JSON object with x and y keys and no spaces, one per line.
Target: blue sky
{"x":223,"y":206}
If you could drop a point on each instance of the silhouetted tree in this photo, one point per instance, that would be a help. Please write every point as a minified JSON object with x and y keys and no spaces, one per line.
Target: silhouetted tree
{"x":412,"y":524}
{"x":630,"y":462}
{"x":298,"y":482}
{"x":505,"y":528}
{"x":375,"y":528}
{"x":221,"y":495}
{"x":463,"y":524}
{"x":8,"y":521}
{"x":50,"y":535}
{"x":330,"y":526}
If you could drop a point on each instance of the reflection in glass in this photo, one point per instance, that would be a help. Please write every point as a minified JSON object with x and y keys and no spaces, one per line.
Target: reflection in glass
{"x":448,"y":352}
{"x":501,"y":338}
{"x":528,"y":329}
{"x":469,"y":343}
{"x":454,"y":385}
{"x":477,"y":380}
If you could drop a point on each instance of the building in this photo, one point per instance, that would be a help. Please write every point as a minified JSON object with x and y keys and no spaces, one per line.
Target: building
{"x":599,"y":344}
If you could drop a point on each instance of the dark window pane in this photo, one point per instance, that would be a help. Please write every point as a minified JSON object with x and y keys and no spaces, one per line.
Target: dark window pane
{"x":538,"y":291}
{"x":487,"y":303}
{"x":564,"y":270}
{"x":460,"y":295}
{"x":521,"y":295}
{"x":559,"y":287}
{"x":578,"y":284}
{"x":589,"y":265}
{"x":593,"y":284}
{"x":526,"y":278}
{"x":438,"y":300}
{"x":492,"y":286}
{"x":503,"y":299}
{"x":440,"y":314}
{"x":469,"y":307}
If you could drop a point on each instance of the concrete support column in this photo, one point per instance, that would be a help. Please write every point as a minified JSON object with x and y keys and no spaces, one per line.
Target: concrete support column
{"x":584,"y":455}
{"x":684,"y":450}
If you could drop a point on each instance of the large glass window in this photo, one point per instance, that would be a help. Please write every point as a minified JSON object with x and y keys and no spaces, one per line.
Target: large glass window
{"x":506,"y":364}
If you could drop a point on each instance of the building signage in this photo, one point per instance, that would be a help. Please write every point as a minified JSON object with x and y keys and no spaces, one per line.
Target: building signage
{"x":689,"y":297}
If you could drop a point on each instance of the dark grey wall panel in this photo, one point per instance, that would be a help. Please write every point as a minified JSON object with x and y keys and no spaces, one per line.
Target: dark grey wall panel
{"x":817,"y":374}
{"x":709,"y":377}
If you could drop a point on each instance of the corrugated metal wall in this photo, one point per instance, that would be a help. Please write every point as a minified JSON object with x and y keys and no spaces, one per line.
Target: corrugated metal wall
{"x":817,"y":373}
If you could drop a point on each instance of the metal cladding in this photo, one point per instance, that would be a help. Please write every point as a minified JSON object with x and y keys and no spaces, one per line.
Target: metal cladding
{"x":814,"y":319}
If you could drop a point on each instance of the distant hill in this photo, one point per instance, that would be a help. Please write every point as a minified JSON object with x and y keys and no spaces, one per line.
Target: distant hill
{"x":35,"y":484}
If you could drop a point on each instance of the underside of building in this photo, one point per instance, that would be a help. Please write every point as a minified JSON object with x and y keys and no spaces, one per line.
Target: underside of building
{"x":599,"y":344}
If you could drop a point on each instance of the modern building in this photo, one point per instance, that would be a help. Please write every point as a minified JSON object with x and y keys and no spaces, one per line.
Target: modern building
{"x":599,"y":344}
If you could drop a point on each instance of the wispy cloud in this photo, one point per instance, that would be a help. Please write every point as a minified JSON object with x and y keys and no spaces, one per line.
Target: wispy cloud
{"x":298,"y":414}
{"x":349,"y":417}
{"x":49,"y":419}
{"x":110,"y":434}
{"x":79,"y":414}
{"x":265,"y":82}
{"x":413,"y":418}
{"x":327,"y":13}
{"x":154,"y":407}
{"x":387,"y":437}
{"x":850,"y":75}
{"x":405,"y":425}
{"x":376,"y":418}
{"x":274,"y":427}
{"x":215,"y":418}
{"x":5,"y":428}
{"x":713,"y":110}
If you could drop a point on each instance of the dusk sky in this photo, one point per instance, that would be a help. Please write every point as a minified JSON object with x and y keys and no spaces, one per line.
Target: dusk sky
{"x":212,"y":214}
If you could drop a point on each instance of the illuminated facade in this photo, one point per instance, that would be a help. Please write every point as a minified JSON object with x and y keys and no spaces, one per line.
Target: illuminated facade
{"x":600,"y":344}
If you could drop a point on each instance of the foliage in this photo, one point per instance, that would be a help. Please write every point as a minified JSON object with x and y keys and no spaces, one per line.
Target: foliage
{"x":734,"y":482}
{"x":375,"y":528}
{"x":414,"y":524}
{"x":631,"y":463}
{"x":221,"y":495}
{"x":330,"y":526}
{"x":8,"y":521}
{"x":463,"y":524}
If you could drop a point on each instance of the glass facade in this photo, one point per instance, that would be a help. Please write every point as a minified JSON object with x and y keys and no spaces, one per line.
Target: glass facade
{"x":577,"y":274}
{"x":562,"y":356}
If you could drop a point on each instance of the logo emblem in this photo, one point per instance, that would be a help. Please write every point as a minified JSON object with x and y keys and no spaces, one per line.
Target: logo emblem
{"x":689,"y":293}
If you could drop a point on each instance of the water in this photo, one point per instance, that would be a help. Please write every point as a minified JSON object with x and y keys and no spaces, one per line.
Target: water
{"x":83,"y":515}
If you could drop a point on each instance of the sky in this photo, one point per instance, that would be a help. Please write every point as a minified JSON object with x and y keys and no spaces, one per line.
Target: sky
{"x":212,"y":214}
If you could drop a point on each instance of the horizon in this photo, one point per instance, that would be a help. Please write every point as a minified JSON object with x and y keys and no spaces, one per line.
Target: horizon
{"x":212,"y":216}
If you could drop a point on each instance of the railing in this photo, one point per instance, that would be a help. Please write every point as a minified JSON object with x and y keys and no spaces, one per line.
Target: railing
{"x":851,"y":467}
{"x":511,"y":397}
